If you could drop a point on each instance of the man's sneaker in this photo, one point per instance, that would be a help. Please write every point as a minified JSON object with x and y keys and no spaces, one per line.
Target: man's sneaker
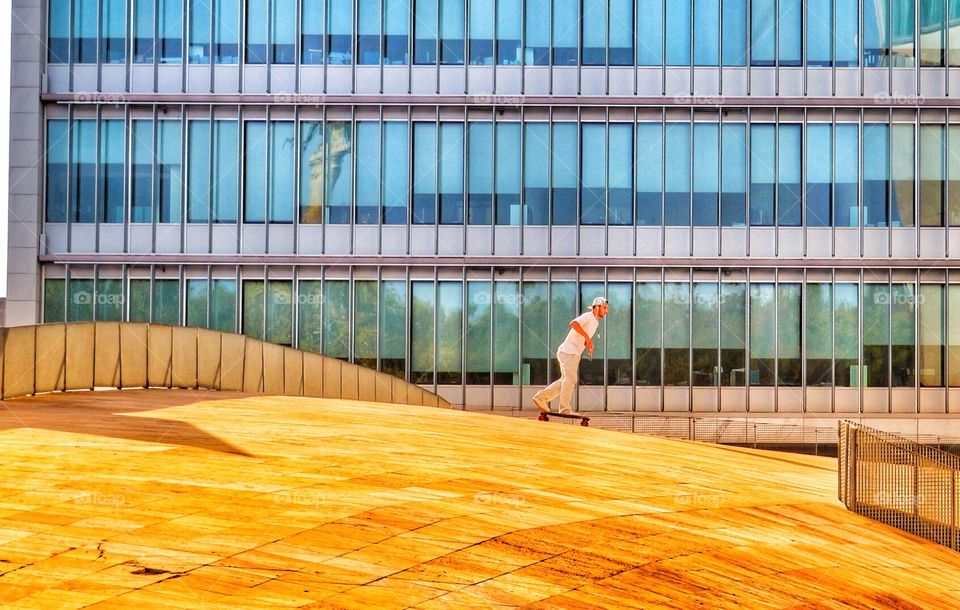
{"x":541,"y":404}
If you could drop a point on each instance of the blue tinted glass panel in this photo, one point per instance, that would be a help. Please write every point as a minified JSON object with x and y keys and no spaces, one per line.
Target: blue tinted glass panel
{"x":396,"y":25}
{"x":620,"y":174}
{"x":226,"y":176}
{"x":819,"y":32}
{"x":733,"y":196}
{"x":281,"y":171}
{"x":58,"y":32}
{"x":507,"y":189}
{"x":198,"y":48}
{"x":876,"y":35}
{"x":845,"y":31}
{"x":621,"y":33}
{"x":763,"y":32}
{"x":340,"y":47}
{"x":650,"y":32}
{"x":311,"y":172}
{"x":255,"y":171}
{"x":480,"y":173}
{"x":283,"y":31}
{"x":902,"y":24}
{"x":198,"y":177}
{"x":395,"y":172}
{"x":593,"y":158}
{"x":368,"y":32}
{"x":734,"y":33}
{"x":594,"y":32}
{"x":819,"y":175}
{"x":846,"y":174}
{"x":368,"y":172}
{"x":789,"y":187}
{"x":706,"y":34}
{"x":564,"y":173}
{"x":170,"y":31}
{"x":257,"y":31}
{"x":876,"y":174}
{"x":83,"y":173}
{"x":113,"y":17}
{"x":143,"y":31}
{"x":85,"y":31}
{"x":57,"y":159}
{"x":536,"y":168}
{"x":481,"y":32}
{"x":339,"y":174}
{"x":169,"y":177}
{"x":790,"y":32}
{"x":649,"y":174}
{"x":566,"y":18}
{"x":141,"y":189}
{"x":425,"y":31}
{"x":111,"y":178}
{"x":706,"y":174}
{"x":226,"y":31}
{"x":677,"y":177}
{"x":762,"y":174}
{"x":312,"y":20}
{"x":537,"y":39}
{"x":424,"y":173}
{"x":451,"y":173}
{"x":678,"y":27}
{"x":509,"y":18}
{"x":451,"y":31}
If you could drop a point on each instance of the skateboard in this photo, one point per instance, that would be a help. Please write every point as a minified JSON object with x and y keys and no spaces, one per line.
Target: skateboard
{"x":545,"y":416}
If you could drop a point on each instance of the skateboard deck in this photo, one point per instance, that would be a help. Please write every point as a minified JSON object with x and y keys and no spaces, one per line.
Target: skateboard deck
{"x":545,"y":416}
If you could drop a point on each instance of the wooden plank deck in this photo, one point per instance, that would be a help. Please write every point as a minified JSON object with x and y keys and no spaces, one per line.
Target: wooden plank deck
{"x":193,"y":499}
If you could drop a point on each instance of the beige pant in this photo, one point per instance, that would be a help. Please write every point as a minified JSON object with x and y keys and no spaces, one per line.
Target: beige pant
{"x":563,"y":387}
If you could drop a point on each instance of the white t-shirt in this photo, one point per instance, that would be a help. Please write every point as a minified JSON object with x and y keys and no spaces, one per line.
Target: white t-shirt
{"x":575,"y":343}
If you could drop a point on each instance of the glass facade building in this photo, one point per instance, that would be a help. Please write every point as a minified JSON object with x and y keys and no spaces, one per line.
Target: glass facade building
{"x":767,"y":191}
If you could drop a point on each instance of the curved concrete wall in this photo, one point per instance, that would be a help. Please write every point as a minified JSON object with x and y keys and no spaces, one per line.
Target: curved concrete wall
{"x":85,"y":355}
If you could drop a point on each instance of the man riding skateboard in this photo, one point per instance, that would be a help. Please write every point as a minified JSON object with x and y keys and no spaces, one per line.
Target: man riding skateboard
{"x":582,"y":329}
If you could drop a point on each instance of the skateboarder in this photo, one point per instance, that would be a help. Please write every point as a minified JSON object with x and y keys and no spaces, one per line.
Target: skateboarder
{"x":582,"y":329}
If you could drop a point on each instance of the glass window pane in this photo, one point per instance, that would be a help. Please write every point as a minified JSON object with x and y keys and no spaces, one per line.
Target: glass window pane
{"x":198,"y":49}
{"x":536,"y":168}
{"x":226,"y":31}
{"x":340,"y":46}
{"x":620,"y":296}
{"x":790,"y":19}
{"x":198,"y":171}
{"x":763,"y":32}
{"x":620,"y":174}
{"x":676,"y":333}
{"x":594,"y":32}
{"x":901,"y":162}
{"x":143,"y":31}
{"x":819,"y":32}
{"x":903,"y":342}
{"x":788,"y":188}
{"x":762,"y":174}
{"x":876,"y":34}
{"x":649,"y":174}
{"x":591,"y":368}
{"x":706,"y":33}
{"x":58,"y":32}
{"x":368,"y":172}
{"x":564,"y":173}
{"x":509,"y":19}
{"x":537,"y":348}
{"x":563,"y":309}
{"x":593,"y":160}
{"x":647,"y":333}
{"x":706,"y":339}
{"x":819,"y":334}
{"x":846,"y":174}
{"x":537,"y":39}
{"x":309,"y":326}
{"x":80,"y":301}
{"x":819,"y":174}
{"x":621,"y":33}
{"x":141,"y":194}
{"x":395,"y":172}
{"x":876,"y":335}
{"x":734,"y":32}
{"x":762,"y":334}
{"x":933,"y":32}
{"x":507,"y":191}
{"x":255,"y":171}
{"x":733,"y":334}
{"x":139,"y":301}
{"x":223,"y":305}
{"x":931,"y":175}
{"x":393,"y":327}
{"x":166,"y":301}
{"x":85,"y":31}
{"x":312,"y":20}
{"x":113,"y":17}
{"x":451,"y":173}
{"x":280,"y":312}
{"x":506,"y":339}
{"x":706,"y":174}
{"x":311,"y":172}
{"x":336,"y":319}
{"x":83,"y":191}
{"x":845,"y":30}
{"x":449,"y":332}
{"x":876,"y":175}
{"x":649,"y":32}
{"x":847,"y":338}
{"x":788,"y":335}
{"x":368,"y":32}
{"x":953,"y":172}
{"x":425,"y":31}
{"x":169,"y":175}
{"x":480,"y":172}
{"x":283,"y":31}
{"x":424,"y":173}
{"x":226,"y":191}
{"x":677,"y":178}
{"x":678,"y":21}
{"x":902,"y":25}
{"x":110,"y":299}
{"x":339,"y":161}
{"x":566,"y":20}
{"x":197,"y":302}
{"x":53,"y":301}
{"x":451,"y":31}
{"x":953,"y":306}
{"x":477,"y":336}
{"x":481,"y":32}
{"x":396,"y":25}
{"x":57,"y":158}
{"x":365,"y":323}
{"x":170,"y":31}
{"x":733,"y":199}
{"x":111,"y":178}
{"x":422,"y":332}
{"x":931,"y":335}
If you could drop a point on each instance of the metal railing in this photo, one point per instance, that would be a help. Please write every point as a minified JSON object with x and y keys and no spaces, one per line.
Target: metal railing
{"x":899,"y":482}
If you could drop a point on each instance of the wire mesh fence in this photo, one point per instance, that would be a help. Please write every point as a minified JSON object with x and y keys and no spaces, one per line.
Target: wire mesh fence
{"x":898,"y":481}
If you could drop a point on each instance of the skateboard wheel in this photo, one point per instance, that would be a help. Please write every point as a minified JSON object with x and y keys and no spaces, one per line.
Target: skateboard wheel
{"x":543,"y":417}
{"x":584,"y":422}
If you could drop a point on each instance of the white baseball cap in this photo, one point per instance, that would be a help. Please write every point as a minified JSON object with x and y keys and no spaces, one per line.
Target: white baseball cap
{"x":599,"y":301}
